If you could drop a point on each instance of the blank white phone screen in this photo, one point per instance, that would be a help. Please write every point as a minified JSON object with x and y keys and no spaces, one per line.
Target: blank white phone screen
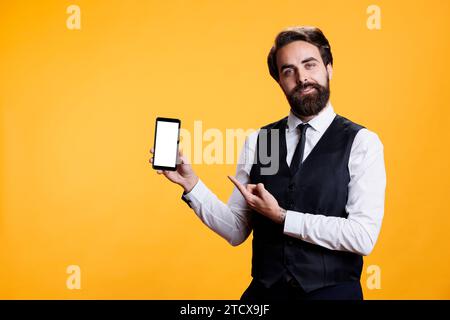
{"x":166,"y":144}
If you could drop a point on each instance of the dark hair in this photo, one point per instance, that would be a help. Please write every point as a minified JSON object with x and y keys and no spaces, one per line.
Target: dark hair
{"x":311,"y":35}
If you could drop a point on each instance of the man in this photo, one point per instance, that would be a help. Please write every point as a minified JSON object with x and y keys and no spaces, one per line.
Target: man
{"x":321,"y":211}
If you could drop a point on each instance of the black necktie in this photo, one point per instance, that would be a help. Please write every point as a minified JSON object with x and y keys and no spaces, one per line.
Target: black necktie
{"x":298,"y":154}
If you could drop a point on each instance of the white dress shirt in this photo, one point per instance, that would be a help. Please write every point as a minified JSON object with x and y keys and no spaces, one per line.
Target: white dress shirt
{"x":357,"y":233}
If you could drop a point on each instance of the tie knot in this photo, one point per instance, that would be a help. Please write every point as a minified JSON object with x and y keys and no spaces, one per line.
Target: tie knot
{"x":302,"y":127}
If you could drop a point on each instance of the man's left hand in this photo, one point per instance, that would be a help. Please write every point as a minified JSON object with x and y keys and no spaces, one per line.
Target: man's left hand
{"x":261,"y":200}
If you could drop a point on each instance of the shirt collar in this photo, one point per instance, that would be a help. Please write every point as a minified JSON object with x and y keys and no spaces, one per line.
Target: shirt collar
{"x":318,"y":123}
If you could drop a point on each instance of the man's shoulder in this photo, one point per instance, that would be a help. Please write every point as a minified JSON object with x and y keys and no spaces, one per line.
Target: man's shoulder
{"x":348,"y":124}
{"x":363,"y":135}
{"x":367,"y":140}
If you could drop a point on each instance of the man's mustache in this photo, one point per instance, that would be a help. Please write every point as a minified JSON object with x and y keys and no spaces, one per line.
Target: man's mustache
{"x":303,"y":86}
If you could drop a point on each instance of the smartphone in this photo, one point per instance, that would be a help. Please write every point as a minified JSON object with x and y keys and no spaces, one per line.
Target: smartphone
{"x":167,"y":138}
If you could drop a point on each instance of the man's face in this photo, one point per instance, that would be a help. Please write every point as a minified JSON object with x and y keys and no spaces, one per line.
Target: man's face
{"x":303,"y":77}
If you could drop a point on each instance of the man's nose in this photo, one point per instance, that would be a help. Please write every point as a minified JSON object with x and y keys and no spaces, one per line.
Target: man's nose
{"x":301,"y":79}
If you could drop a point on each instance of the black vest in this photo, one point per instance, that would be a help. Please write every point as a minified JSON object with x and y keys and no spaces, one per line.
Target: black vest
{"x":318,"y":187}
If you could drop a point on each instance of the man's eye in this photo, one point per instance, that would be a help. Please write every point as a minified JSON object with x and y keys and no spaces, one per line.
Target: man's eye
{"x":309,"y":65}
{"x":287,"y":72}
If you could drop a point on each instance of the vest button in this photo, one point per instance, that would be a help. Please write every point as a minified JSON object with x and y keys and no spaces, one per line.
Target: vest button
{"x":290,"y":242}
{"x":291,"y":186}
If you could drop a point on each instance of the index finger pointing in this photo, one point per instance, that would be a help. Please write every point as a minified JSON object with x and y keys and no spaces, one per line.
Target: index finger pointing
{"x":241,"y":187}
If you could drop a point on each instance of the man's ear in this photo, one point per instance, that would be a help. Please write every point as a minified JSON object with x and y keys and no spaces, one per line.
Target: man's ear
{"x":330,"y":71}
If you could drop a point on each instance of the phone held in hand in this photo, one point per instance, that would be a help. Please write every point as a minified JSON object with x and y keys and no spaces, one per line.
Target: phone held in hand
{"x":167,"y":138}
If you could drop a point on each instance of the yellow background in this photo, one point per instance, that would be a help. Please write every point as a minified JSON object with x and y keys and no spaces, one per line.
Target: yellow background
{"x":77,"y":120}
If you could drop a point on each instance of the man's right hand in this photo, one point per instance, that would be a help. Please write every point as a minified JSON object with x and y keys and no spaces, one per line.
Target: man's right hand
{"x":183,"y":176}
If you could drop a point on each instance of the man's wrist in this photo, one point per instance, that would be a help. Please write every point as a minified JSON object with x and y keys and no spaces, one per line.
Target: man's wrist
{"x":282,"y":216}
{"x":190,"y":184}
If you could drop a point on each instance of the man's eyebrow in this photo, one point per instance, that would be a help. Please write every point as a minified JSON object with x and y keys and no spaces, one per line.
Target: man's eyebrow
{"x":309,"y":59}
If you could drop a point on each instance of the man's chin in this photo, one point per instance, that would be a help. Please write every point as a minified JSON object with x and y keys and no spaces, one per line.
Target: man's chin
{"x":302,"y":113}
{"x":310,"y":110}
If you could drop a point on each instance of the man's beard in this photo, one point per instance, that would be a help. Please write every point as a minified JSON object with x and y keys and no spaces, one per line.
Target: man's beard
{"x":309,"y":104}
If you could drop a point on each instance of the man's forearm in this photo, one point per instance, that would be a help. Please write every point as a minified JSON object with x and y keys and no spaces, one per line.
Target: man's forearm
{"x":232,"y":221}
{"x":333,"y":233}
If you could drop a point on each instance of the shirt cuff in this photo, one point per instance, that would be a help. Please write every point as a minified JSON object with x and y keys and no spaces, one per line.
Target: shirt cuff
{"x":293,"y":224}
{"x":196,"y":195}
